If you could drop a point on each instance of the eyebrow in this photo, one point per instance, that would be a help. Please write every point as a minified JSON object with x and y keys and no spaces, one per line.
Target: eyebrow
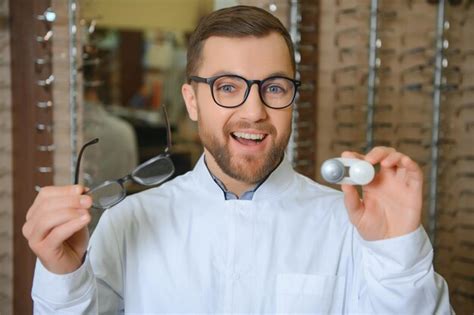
{"x":273,"y":74}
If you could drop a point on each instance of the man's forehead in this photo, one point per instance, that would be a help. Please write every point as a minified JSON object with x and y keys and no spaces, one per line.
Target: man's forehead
{"x":243,"y":40}
{"x":267,"y":53}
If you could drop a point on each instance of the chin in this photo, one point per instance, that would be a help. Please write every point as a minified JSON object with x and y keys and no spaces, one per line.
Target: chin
{"x":250,"y":169}
{"x":247,"y":167}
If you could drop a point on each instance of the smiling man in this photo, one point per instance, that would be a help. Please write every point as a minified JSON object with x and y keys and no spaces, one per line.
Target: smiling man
{"x":244,"y":125}
{"x":242,"y":232}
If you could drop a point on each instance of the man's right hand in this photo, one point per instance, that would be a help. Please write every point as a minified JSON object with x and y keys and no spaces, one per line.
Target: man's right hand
{"x":56,"y":227}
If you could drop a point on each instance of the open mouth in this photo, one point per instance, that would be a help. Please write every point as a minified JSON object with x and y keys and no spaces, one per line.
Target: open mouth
{"x":248,"y":138}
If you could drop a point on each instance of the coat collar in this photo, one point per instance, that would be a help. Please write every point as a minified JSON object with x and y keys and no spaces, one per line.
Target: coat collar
{"x":273,"y":186}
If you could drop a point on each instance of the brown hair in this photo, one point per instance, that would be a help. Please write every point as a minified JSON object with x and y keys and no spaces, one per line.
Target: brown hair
{"x":238,"y":21}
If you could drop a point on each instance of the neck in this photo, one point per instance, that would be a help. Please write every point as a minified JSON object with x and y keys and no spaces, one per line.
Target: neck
{"x":233,"y":185}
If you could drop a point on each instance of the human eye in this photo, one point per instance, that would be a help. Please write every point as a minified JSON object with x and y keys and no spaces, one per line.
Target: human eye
{"x":277,"y":86}
{"x":226,"y":88}
{"x":228,"y":85}
{"x":275,"y":89}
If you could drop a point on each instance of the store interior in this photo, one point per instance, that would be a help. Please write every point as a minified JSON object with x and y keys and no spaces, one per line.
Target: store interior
{"x":373,"y":72}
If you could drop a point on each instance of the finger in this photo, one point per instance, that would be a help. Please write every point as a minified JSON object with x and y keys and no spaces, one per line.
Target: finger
{"x":63,"y":232}
{"x":402,"y":161}
{"x":353,"y":203}
{"x":410,"y":165}
{"x":54,"y":203}
{"x":406,"y":169}
{"x":392,"y":159}
{"x":413,"y":172}
{"x":377,"y":154}
{"x":59,"y":202}
{"x":52,"y":191}
{"x":39,"y":229}
{"x":350,"y":154}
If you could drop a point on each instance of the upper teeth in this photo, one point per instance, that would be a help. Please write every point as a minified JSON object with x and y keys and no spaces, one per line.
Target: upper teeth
{"x":250,"y":136}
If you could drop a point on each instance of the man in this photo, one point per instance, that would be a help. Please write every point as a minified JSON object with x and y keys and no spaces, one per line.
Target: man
{"x":242,"y":232}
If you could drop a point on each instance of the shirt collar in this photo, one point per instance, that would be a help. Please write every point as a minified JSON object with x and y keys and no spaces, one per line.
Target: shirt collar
{"x":271,"y":187}
{"x":228,"y":195}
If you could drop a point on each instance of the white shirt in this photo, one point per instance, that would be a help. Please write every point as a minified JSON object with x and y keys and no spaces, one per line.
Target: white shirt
{"x":182,"y":248}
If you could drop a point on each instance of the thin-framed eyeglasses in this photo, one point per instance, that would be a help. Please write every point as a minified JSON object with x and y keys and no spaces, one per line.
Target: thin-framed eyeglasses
{"x":150,"y":173}
{"x":231,"y":90}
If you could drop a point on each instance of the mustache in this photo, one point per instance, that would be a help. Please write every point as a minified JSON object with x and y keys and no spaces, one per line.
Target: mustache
{"x":264,"y":127}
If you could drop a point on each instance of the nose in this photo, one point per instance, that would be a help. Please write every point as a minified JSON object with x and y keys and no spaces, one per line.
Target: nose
{"x":253,"y":108}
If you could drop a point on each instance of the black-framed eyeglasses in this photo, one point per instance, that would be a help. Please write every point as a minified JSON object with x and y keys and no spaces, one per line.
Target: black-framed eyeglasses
{"x":231,"y":90}
{"x":150,"y":173}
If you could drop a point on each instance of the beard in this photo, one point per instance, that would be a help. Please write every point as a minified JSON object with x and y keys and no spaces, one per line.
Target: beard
{"x":247,"y":168}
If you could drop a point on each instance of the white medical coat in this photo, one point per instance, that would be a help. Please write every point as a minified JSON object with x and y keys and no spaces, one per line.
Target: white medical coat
{"x":182,"y":248}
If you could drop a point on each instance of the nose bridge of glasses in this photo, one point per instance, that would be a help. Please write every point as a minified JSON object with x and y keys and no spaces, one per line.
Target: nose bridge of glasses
{"x":125,"y":179}
{"x":253,"y":108}
{"x":258,"y":90}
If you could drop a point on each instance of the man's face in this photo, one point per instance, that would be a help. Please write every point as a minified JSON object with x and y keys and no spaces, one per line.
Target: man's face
{"x":246,"y":142}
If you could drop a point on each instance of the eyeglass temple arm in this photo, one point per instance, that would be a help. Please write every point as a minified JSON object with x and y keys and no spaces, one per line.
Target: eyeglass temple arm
{"x":78,"y":165}
{"x":168,"y":130}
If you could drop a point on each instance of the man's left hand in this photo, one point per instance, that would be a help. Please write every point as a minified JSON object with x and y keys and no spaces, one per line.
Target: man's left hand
{"x":391,"y":204}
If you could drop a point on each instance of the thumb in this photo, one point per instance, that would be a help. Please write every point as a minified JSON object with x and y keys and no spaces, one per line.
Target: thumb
{"x":353,"y":203}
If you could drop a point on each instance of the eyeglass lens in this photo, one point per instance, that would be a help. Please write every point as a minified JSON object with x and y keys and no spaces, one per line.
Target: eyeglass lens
{"x":107,"y":195}
{"x":155,"y":172}
{"x":151,"y":173}
{"x":231,"y":91}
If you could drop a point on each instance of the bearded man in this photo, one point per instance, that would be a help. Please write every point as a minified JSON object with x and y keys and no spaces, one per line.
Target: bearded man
{"x":242,"y":232}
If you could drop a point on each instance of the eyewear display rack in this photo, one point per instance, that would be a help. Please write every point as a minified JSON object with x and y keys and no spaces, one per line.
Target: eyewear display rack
{"x":400,"y":73}
{"x":41,"y":132}
{"x":32,"y":81}
{"x":305,"y":32}
{"x":6,"y":179}
{"x":452,"y":158}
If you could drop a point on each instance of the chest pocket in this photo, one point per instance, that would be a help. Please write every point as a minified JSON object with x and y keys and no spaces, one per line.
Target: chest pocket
{"x":309,"y":294}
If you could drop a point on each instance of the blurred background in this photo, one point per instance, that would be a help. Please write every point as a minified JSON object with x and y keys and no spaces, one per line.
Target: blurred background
{"x":374,"y":72}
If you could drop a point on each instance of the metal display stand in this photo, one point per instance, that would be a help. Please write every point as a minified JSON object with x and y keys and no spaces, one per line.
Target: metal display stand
{"x":372,"y":75}
{"x":436,"y":121}
{"x":72,"y":5}
{"x":295,"y":19}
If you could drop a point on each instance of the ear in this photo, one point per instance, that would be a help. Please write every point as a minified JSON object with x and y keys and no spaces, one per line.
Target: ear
{"x":190,"y":100}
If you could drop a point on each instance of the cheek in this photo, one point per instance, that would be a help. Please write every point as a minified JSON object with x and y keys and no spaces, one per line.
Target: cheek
{"x":211,"y":117}
{"x":282,"y":123}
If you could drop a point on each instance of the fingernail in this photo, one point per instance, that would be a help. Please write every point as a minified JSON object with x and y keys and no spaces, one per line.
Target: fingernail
{"x":85,"y":201}
{"x":77,"y":189}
